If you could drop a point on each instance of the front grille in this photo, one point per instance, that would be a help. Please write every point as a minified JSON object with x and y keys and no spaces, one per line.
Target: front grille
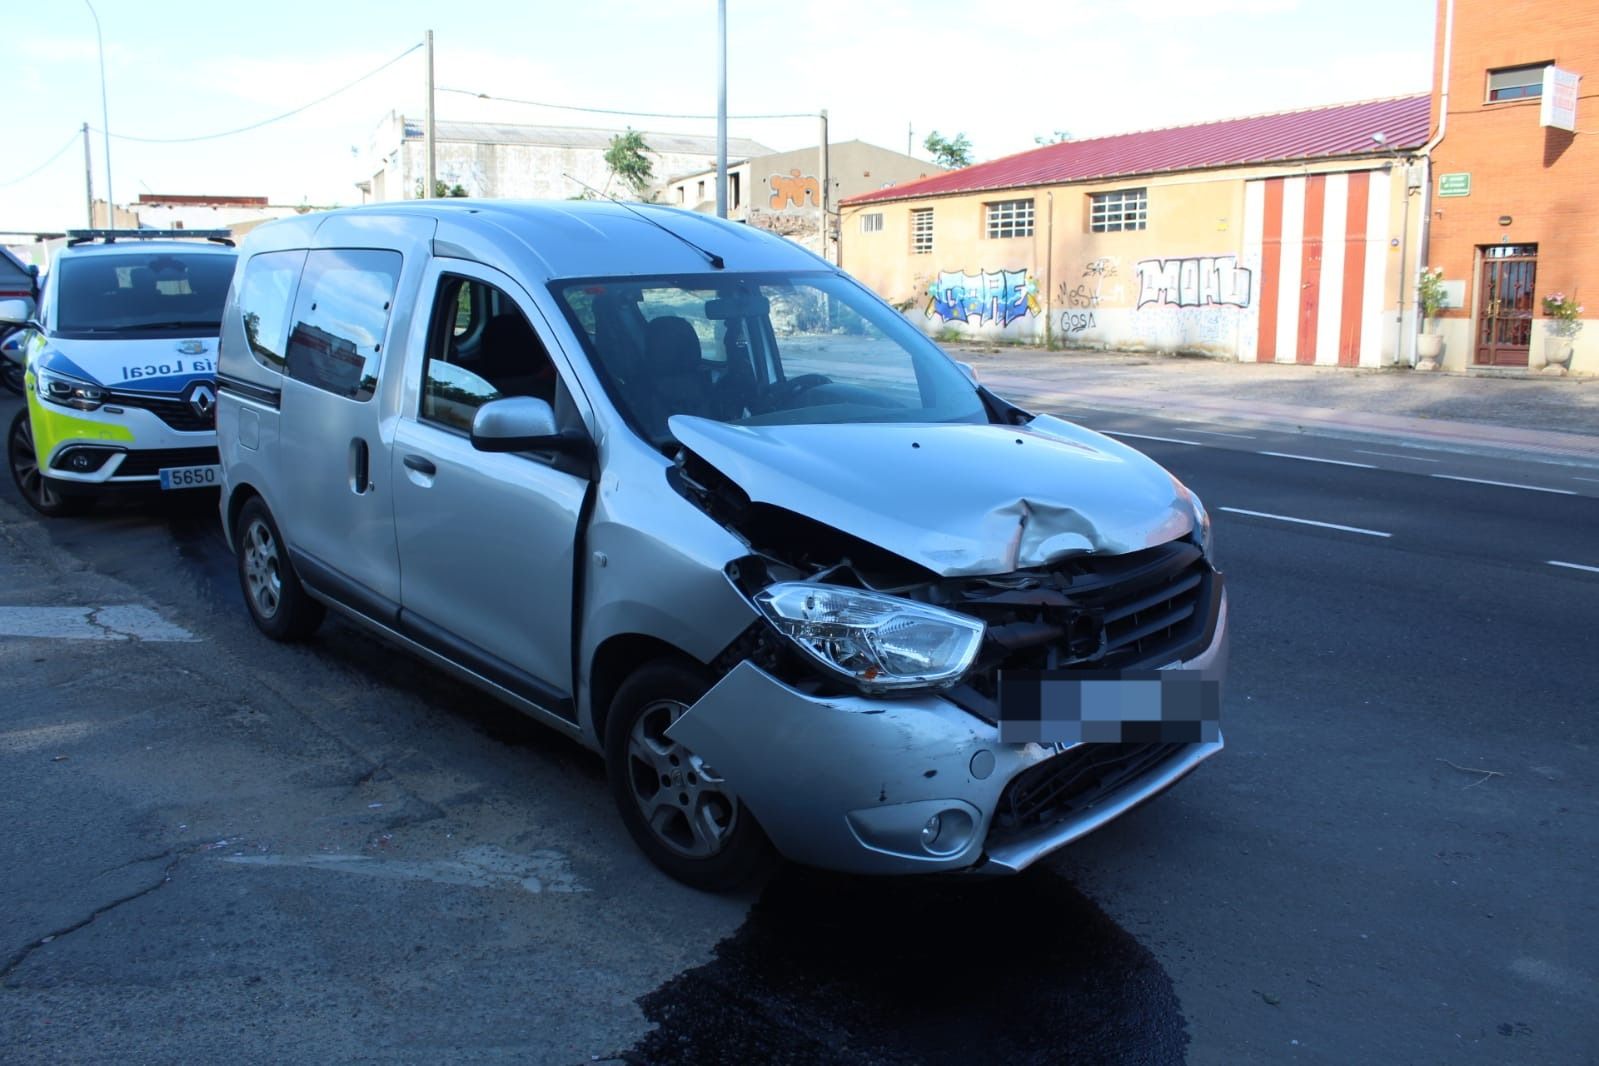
{"x":1142,"y":610}
{"x":171,"y":410}
{"x":152,"y":461}
{"x":1074,"y":781}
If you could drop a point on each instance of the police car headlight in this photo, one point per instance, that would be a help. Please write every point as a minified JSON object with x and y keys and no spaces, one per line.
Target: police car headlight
{"x":67,"y":391}
{"x":877,"y":642}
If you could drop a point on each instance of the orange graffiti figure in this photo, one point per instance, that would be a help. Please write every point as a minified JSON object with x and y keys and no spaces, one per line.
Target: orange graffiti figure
{"x":793,"y":190}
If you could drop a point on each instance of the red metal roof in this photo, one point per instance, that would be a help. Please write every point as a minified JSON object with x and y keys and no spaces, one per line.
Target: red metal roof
{"x":1314,"y":133}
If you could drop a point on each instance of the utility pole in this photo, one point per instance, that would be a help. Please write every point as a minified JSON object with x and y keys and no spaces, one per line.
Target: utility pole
{"x":821,"y":200}
{"x":105,"y":120}
{"x":88,"y":175}
{"x":428,"y":190}
{"x":721,"y":108}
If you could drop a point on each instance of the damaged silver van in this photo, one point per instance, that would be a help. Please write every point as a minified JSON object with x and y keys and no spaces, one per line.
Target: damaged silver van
{"x":693,"y":496}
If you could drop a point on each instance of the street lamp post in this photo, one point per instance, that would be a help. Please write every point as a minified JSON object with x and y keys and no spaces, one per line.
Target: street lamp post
{"x":105,"y":122}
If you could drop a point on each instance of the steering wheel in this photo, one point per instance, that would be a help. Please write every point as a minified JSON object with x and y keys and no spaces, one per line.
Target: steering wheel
{"x":790,"y":389}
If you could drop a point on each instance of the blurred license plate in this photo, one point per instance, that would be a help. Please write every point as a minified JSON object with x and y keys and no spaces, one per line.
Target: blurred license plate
{"x":191,"y":477}
{"x":1067,"y":707}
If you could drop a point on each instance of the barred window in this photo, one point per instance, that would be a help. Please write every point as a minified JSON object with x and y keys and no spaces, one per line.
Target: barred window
{"x":1111,"y":212}
{"x":1516,"y":83}
{"x":1009,"y":218}
{"x":922,"y":231}
{"x":872,"y":223}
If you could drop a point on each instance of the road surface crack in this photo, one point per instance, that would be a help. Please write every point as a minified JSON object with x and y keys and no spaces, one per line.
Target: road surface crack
{"x":22,"y":954}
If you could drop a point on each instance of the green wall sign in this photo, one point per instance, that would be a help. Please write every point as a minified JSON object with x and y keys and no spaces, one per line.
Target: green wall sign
{"x":1454,"y":184}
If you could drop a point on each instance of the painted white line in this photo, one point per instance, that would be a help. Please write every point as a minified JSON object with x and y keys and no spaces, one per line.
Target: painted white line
{"x":1396,"y":455}
{"x":1595,"y":480}
{"x":1219,"y":433}
{"x":1505,"y":484}
{"x":1306,"y":522}
{"x":1314,"y":459}
{"x":119,"y":622}
{"x":1146,"y":436}
{"x":1574,"y":566}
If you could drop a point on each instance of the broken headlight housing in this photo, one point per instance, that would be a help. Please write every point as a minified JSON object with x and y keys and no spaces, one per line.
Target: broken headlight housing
{"x":68,"y":392}
{"x":878,"y":642}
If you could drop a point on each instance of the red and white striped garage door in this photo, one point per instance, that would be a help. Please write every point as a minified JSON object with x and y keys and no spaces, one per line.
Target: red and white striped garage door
{"x":1322,"y":244}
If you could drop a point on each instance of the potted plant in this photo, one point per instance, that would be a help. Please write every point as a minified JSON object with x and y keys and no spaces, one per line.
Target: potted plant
{"x":1430,"y":298}
{"x":1562,"y":313}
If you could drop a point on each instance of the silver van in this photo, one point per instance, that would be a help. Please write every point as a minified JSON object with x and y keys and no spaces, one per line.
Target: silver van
{"x":696,"y":498}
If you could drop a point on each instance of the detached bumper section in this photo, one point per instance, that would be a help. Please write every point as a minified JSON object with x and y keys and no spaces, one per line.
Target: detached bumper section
{"x":918,"y":785}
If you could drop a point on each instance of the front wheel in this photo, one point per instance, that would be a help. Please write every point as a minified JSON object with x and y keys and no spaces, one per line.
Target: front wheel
{"x":678,"y":809}
{"x":38,"y":491}
{"x":281,"y":607}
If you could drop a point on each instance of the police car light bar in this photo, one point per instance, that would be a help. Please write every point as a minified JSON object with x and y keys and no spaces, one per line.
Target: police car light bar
{"x":110,"y":236}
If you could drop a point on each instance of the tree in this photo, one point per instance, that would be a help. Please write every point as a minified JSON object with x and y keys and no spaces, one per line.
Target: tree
{"x":1054,"y":138}
{"x":627,"y":160}
{"x":441,"y":189}
{"x":954,"y":152}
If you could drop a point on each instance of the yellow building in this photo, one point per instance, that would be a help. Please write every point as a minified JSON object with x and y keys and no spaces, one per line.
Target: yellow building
{"x":1282,"y":237}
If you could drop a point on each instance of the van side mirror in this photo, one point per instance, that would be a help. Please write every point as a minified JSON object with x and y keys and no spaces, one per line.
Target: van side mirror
{"x":969,"y":370}
{"x":16,"y":312}
{"x":524,"y":424}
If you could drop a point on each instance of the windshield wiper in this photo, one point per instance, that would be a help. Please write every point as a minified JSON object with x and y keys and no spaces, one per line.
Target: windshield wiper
{"x":175,"y":324}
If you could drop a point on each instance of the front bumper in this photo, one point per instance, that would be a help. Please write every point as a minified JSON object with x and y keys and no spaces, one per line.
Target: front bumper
{"x":127,"y":446}
{"x":850,"y":783}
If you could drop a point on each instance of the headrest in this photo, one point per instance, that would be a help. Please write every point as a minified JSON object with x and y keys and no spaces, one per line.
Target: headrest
{"x":671,"y":346}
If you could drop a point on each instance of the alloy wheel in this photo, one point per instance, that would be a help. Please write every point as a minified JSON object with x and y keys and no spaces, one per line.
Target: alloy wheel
{"x":682,"y":799}
{"x":25,"y":467}
{"x":263,"y":581}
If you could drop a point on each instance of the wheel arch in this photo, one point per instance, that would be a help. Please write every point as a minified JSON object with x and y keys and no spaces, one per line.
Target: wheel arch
{"x":616,"y":658}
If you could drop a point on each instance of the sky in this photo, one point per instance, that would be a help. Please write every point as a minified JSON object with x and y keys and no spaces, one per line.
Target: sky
{"x":1002,"y":74}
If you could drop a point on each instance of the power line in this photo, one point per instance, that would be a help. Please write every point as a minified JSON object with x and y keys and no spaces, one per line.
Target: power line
{"x":608,"y":111}
{"x":275,"y":118}
{"x":47,"y":162}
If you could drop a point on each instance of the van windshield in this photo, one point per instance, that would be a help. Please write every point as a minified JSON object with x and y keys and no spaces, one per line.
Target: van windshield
{"x":761,"y":349}
{"x":146,"y":291}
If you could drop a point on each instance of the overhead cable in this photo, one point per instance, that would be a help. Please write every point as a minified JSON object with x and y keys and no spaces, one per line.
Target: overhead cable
{"x":47,"y":162}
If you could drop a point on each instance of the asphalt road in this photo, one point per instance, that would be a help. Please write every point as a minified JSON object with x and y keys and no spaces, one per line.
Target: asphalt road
{"x":219,"y":848}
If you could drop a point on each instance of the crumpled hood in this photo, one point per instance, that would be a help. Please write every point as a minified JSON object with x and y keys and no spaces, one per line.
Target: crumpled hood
{"x":957,"y":499}
{"x":139,"y":364}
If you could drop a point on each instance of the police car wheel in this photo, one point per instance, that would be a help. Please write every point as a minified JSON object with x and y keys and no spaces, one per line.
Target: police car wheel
{"x":676,"y":808}
{"x":39,"y":491}
{"x":278,"y":602}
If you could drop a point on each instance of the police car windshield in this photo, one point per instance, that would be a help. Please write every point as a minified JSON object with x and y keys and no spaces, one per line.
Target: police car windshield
{"x":143,"y":291}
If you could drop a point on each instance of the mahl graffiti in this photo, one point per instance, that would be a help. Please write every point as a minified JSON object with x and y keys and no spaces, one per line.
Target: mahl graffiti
{"x":1194,"y":282}
{"x":793,"y":189}
{"x":989,"y":296}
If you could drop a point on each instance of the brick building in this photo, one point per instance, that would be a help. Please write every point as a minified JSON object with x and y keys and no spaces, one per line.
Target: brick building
{"x":1512,"y":204}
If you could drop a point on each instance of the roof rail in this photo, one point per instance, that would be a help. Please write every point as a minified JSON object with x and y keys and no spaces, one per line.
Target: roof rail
{"x":111,"y":236}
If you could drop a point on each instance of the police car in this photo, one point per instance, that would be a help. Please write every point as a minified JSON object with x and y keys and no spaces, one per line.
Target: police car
{"x":121,"y":367}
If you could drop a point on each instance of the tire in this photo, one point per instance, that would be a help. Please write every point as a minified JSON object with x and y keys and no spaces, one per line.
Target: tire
{"x":38,"y":491}
{"x":281,"y":607}
{"x":700,"y":835}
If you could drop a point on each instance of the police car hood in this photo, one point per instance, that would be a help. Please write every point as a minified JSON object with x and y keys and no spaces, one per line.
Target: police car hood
{"x":957,"y":499}
{"x":164,"y":363}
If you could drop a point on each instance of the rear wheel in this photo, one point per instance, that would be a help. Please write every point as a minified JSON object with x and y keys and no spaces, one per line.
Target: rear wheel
{"x":678,"y":809}
{"x":281,"y":607}
{"x":39,"y":491}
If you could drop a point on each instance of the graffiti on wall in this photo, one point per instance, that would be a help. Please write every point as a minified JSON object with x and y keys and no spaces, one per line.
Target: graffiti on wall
{"x":1195,"y":281}
{"x":1075,"y":322}
{"x":1000,"y":296}
{"x":1090,"y":291}
{"x":792,"y":190}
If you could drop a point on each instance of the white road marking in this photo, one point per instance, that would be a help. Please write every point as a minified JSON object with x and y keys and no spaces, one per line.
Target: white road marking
{"x":1314,"y":459}
{"x":1219,"y":433}
{"x":1595,"y":480}
{"x":117,"y":622}
{"x":1505,"y":484}
{"x":1396,"y":455}
{"x":1146,"y":436}
{"x":1574,"y":566}
{"x":1306,"y":522}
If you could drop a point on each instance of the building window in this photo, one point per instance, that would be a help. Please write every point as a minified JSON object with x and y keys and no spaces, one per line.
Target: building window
{"x":699,"y":195}
{"x":732,"y":190}
{"x":682,"y":193}
{"x":1009,"y":218}
{"x":1516,"y":83}
{"x":872,"y":223}
{"x":922,"y":231}
{"x":1111,"y":212}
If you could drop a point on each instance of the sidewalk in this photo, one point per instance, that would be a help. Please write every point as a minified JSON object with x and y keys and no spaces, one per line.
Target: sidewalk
{"x":1555,"y":417}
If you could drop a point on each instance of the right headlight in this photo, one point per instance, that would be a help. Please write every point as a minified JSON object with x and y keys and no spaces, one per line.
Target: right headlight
{"x":68,"y":392}
{"x":877,"y":642}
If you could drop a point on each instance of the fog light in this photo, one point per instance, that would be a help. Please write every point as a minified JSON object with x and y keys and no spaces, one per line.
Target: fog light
{"x":930,"y":831}
{"x":82,"y":460}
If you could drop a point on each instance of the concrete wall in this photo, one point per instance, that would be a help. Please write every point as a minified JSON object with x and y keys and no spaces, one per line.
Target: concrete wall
{"x":1191,"y":281}
{"x":1545,"y":181}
